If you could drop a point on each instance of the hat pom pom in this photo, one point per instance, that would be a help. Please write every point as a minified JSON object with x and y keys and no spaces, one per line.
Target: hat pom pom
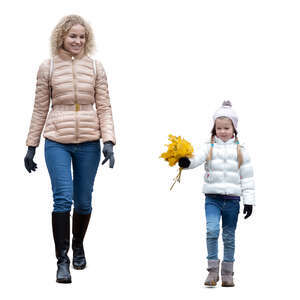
{"x":227,"y":104}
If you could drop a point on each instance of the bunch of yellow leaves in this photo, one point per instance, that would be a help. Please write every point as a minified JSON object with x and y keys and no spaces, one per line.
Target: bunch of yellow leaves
{"x":178,"y":148}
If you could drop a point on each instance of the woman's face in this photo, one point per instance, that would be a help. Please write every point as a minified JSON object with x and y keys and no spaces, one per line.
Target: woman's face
{"x":75,"y":39}
{"x":224,"y":129}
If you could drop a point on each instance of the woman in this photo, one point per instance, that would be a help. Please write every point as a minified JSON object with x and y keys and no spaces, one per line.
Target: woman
{"x":74,"y":82}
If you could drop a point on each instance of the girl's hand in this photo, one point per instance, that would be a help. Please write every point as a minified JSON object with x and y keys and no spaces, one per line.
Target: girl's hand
{"x":184,"y":162}
{"x":247,"y":210}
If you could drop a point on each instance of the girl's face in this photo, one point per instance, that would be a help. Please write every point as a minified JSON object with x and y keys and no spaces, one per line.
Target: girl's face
{"x":75,"y":39}
{"x":224,"y":129}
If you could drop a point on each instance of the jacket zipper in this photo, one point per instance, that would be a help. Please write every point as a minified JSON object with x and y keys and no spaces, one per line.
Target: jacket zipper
{"x":75,"y":100}
{"x":224,"y":170}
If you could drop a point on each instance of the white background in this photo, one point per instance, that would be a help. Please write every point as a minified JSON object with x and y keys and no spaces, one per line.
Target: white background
{"x":170,"y":64}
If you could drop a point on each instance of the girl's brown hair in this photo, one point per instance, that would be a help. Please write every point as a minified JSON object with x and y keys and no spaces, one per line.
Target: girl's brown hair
{"x":212,"y":141}
{"x":63,"y":27}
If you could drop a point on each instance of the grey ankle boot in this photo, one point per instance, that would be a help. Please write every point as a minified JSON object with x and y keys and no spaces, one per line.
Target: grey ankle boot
{"x":227,"y":273}
{"x":213,"y":275}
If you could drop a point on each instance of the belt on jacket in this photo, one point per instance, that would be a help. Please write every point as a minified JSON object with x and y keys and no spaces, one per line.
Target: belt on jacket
{"x":72,"y":107}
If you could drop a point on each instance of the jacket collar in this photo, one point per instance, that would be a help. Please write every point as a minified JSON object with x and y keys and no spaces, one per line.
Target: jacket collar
{"x":66,"y":55}
{"x":230,"y":141}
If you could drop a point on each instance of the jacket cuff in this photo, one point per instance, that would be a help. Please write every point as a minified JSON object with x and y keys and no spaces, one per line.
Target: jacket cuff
{"x":250,"y":200}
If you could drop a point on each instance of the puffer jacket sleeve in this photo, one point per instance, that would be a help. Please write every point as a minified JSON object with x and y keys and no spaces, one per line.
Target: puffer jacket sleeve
{"x":41,"y":105}
{"x":103,"y":106}
{"x":247,"y":179}
{"x":199,"y":156}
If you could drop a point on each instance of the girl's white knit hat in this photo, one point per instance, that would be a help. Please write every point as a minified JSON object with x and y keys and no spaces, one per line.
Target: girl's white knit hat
{"x":226,"y":111}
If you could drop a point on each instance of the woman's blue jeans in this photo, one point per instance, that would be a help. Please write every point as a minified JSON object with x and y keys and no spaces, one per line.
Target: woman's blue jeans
{"x":85,"y":158}
{"x":215,"y":208}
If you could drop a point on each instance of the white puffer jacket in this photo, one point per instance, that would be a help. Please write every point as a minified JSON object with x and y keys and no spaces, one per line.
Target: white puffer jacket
{"x":223,"y":176}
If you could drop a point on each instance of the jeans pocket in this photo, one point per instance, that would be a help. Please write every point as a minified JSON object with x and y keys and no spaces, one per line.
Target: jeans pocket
{"x":237,"y":205}
{"x":92,"y":146}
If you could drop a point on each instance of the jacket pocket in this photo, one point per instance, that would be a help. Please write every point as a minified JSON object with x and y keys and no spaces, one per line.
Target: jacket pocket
{"x":55,"y":127}
{"x":97,"y":121}
{"x":208,"y":177}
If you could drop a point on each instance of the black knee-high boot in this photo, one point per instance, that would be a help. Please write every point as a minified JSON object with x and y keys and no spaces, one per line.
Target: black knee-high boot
{"x":79,"y":227}
{"x":61,"y":234}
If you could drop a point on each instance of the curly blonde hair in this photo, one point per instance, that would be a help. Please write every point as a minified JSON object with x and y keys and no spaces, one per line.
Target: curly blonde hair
{"x":63,"y":27}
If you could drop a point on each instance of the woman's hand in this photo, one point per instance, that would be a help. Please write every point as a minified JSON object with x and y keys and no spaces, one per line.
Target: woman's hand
{"x":108,"y":154}
{"x":184,"y":162}
{"x":30,"y":165}
{"x":247,"y":210}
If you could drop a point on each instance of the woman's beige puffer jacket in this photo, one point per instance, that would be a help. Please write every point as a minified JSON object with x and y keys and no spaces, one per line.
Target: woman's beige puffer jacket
{"x":74,"y":88}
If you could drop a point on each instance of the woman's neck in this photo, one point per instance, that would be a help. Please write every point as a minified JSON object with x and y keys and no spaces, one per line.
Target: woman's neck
{"x":68,"y":55}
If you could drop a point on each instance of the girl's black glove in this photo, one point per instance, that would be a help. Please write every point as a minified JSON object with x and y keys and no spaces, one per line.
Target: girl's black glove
{"x":30,"y":165}
{"x":184,"y":162}
{"x":247,"y":210}
{"x":108,"y":154}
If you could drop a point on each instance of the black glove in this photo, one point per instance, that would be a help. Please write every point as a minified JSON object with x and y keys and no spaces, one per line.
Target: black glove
{"x":30,"y":165}
{"x":184,"y":162}
{"x":108,"y":154}
{"x":247,"y":210}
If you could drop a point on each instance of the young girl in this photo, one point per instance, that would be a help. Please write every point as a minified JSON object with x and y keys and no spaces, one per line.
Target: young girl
{"x":228,"y":176}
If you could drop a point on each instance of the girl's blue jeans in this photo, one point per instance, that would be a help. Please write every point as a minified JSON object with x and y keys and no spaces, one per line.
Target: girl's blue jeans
{"x":215,"y":208}
{"x":85,"y":158}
